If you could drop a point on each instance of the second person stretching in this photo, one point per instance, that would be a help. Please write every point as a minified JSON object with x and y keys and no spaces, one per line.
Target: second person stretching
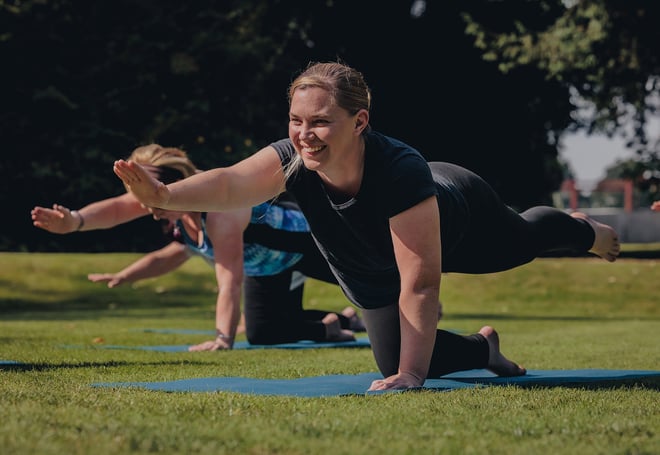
{"x":267,"y":249}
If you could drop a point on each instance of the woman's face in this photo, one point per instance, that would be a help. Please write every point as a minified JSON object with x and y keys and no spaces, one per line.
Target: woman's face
{"x":160,"y":214}
{"x":321,"y":132}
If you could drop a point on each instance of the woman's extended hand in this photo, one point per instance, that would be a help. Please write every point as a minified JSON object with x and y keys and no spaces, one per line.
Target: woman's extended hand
{"x":58,"y":220}
{"x":214,"y":345}
{"x":146,"y":189}
{"x":113,"y":279}
{"x":396,"y":382}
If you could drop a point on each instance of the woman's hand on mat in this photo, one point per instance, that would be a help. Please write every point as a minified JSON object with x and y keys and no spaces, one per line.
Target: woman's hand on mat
{"x":397,"y":381}
{"x":214,"y":345}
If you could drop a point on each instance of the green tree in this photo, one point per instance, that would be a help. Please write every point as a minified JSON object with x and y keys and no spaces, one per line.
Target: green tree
{"x":604,"y":50}
{"x":86,"y":82}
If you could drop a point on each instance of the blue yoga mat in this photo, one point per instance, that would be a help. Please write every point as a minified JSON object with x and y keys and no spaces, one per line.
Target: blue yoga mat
{"x":181,"y":331}
{"x":358,"y":343}
{"x":337,"y":385}
{"x":212,"y":332}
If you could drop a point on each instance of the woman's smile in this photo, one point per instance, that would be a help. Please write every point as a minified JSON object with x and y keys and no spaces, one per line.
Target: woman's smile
{"x":311,"y":150}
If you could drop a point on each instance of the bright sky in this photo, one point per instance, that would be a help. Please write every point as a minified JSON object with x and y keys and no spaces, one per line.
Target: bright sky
{"x":589,"y":156}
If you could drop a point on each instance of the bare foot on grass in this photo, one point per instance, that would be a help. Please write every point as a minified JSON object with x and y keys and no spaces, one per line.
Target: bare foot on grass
{"x":497,"y":363}
{"x":606,"y":241}
{"x":333,"y":330}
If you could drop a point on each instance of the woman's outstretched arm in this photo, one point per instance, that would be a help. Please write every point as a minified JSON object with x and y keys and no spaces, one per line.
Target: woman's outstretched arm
{"x":153,"y":264}
{"x":247,"y":183}
{"x":103,"y":214}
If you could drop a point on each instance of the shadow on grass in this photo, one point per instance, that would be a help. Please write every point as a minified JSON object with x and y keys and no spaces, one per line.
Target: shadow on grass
{"x":92,"y":306}
{"x":650,"y":383}
{"x":21,"y":366}
{"x":646,"y":383}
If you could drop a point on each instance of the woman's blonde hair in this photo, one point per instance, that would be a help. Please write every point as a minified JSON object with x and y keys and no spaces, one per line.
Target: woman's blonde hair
{"x":167,"y":164}
{"x":166,"y":158}
{"x":346,"y":86}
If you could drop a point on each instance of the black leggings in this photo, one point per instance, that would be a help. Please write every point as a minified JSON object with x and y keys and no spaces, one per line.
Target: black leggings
{"x":480,"y":234}
{"x":274,"y":313}
{"x":451,"y":353}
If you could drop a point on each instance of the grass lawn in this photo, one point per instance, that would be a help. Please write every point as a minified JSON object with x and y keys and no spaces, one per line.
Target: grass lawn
{"x":555,"y":313}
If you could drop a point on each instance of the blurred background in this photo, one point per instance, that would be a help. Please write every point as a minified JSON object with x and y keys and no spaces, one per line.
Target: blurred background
{"x":494,"y":86}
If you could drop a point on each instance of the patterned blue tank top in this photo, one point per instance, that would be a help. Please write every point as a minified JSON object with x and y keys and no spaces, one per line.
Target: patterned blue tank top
{"x":258,"y":259}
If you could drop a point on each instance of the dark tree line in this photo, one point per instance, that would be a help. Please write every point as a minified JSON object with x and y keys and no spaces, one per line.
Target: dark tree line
{"x":86,"y":82}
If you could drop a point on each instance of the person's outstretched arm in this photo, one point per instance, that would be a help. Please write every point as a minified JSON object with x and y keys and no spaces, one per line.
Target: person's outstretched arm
{"x":416,"y":239}
{"x":150,"y":265}
{"x":655,"y":206}
{"x":225,"y":230}
{"x":103,"y":214}
{"x":247,"y":183}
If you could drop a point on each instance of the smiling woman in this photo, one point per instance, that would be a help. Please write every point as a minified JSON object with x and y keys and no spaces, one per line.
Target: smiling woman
{"x":375,"y":207}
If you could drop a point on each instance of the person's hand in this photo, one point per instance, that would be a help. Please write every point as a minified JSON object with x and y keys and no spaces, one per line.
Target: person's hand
{"x":113,"y":279}
{"x":214,"y":345}
{"x":396,"y":382}
{"x":655,"y":206}
{"x":146,"y":189}
{"x":58,"y":220}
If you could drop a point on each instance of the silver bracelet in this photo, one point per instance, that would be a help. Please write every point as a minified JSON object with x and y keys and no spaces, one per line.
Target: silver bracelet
{"x":81,"y":221}
{"x":221,"y":336}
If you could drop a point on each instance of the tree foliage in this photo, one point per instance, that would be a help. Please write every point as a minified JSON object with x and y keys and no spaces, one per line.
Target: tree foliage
{"x":87,"y":81}
{"x":605,"y":50}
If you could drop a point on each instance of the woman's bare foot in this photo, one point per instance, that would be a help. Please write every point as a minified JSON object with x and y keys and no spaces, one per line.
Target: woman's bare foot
{"x":606,"y":242}
{"x":497,"y":363}
{"x":355,"y":323}
{"x":333,"y":330}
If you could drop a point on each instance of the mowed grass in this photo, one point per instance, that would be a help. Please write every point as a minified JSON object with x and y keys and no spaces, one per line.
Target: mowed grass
{"x":558,"y":313}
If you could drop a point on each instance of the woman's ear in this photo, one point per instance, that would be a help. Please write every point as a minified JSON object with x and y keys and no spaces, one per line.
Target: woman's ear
{"x":361,"y":120}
